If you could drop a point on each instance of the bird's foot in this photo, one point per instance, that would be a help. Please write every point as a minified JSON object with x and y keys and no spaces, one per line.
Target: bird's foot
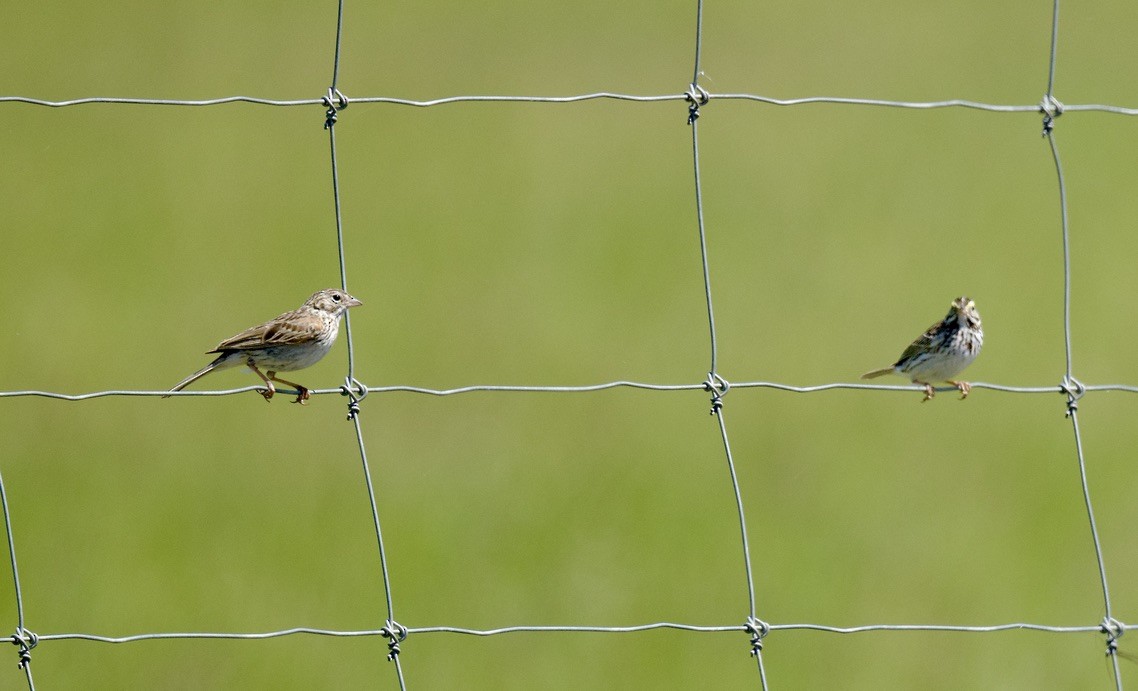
{"x":929,"y":391}
{"x":965,"y":388}
{"x":302,"y":395}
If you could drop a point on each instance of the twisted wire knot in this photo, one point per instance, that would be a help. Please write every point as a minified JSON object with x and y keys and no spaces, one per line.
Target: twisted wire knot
{"x":335,"y":101}
{"x":26,"y":640}
{"x":696,"y":96}
{"x":758,"y":630}
{"x":1113,"y":629}
{"x":718,"y":386}
{"x":1075,"y":390}
{"x":356,"y":392}
{"x":397,"y":633}
{"x":1051,"y":108}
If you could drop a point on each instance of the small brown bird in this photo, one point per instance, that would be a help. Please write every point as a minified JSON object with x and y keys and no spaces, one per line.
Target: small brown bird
{"x":292,"y":341}
{"x":943,"y":351}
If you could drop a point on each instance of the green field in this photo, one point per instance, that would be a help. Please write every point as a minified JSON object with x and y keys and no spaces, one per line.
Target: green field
{"x":557,"y":244}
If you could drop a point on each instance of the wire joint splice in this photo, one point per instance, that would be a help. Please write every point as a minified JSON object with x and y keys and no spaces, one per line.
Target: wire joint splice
{"x":397,"y":633}
{"x":1075,"y":390}
{"x":696,"y":96}
{"x":26,"y":640}
{"x":335,"y":101}
{"x":1113,"y":629}
{"x":758,"y":630}
{"x":718,"y":386}
{"x":356,"y":392}
{"x":1051,"y":108}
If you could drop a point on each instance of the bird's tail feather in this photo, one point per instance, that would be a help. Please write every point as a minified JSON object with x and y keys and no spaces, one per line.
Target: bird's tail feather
{"x":877,"y":373}
{"x":194,"y":377}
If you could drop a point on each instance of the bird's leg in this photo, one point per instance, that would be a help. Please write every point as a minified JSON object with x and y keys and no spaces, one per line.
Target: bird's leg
{"x":269,"y":388}
{"x":965,"y":388}
{"x":302,"y":394}
{"x":929,"y":390}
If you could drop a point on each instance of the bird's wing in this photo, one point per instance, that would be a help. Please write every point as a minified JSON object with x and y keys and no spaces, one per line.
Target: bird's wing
{"x":921,"y":345}
{"x":298,"y":328}
{"x":289,"y":328}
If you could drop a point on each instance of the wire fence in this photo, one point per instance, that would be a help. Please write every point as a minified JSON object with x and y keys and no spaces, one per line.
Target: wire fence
{"x":696,"y":96}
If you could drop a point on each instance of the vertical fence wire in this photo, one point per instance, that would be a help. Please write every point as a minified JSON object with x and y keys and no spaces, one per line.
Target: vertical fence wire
{"x":1052,"y":108}
{"x":1075,"y":390}
{"x":24,"y":639}
{"x":336,"y":101}
{"x":716,"y":384}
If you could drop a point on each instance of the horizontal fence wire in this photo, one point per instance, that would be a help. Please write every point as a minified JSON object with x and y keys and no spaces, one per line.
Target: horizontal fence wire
{"x":655,"y":626}
{"x":578,"y":98}
{"x":715,"y":385}
{"x":584,"y":388}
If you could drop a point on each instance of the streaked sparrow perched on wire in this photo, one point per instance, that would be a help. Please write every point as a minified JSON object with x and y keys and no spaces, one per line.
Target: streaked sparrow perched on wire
{"x":943,"y":351}
{"x":292,"y":341}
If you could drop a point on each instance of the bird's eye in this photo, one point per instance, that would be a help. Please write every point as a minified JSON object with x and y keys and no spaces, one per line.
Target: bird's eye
{"x":336,"y":297}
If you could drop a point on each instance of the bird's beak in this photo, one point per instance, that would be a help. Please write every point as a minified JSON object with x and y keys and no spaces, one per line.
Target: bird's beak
{"x":353,"y":302}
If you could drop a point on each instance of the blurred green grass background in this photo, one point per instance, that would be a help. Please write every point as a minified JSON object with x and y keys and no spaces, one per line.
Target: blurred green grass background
{"x":556,"y":244}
